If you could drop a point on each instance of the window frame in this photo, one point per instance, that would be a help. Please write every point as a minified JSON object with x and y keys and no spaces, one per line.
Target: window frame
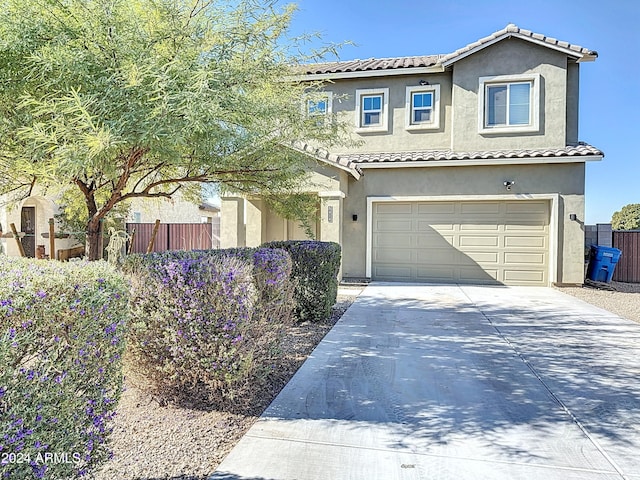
{"x":327,"y":116}
{"x":362,"y":93}
{"x":532,"y":79}
{"x":434,"y":124}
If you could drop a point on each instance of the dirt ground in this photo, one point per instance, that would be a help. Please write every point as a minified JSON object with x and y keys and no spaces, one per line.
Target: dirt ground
{"x":152,"y":441}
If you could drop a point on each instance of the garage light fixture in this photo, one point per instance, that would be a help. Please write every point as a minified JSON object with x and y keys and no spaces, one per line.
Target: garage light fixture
{"x":509,"y":183}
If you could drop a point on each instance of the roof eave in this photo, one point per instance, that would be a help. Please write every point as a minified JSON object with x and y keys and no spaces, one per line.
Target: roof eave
{"x":481,"y":162}
{"x":371,"y":73}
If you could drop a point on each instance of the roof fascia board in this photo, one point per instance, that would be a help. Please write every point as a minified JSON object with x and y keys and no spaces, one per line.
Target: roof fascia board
{"x":481,"y":162}
{"x":371,"y":73}
{"x":542,"y":43}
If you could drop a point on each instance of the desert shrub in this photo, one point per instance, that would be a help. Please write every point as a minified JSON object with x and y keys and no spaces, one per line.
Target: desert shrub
{"x":61,"y":340}
{"x":315,"y":273}
{"x":207,"y":324}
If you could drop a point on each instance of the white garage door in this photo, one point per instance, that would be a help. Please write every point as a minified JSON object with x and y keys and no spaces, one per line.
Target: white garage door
{"x":461,"y":242}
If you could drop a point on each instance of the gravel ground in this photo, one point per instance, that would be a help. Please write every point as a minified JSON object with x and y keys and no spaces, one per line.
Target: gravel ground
{"x":623,"y":300}
{"x":152,"y":441}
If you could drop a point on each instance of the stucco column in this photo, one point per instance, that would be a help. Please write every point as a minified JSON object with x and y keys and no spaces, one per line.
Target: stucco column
{"x":232,"y":226}
{"x":331,"y":210}
{"x":255,"y":225}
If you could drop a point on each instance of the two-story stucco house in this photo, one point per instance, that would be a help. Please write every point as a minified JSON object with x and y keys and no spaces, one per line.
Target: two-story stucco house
{"x":470,"y":168}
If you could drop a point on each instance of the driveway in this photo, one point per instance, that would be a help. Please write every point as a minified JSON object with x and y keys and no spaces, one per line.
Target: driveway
{"x":456,"y":382}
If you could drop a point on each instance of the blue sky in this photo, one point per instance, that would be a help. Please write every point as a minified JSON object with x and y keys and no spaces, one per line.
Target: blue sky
{"x":609,"y":88}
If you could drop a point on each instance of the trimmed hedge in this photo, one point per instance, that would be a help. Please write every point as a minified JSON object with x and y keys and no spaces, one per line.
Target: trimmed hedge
{"x":61,"y":341}
{"x":315,"y":272}
{"x":208,"y":324}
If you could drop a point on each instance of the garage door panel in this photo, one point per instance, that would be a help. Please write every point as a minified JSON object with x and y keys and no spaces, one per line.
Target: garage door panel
{"x":393,"y":272}
{"x":394,"y":256}
{"x":527,"y":227}
{"x":478,"y":241}
{"x":426,"y":226}
{"x":394,"y":208}
{"x":488,"y":227}
{"x":393,"y":225}
{"x":448,"y":208}
{"x":525,"y":241}
{"x":394,"y":240}
{"x":482,"y":257}
{"x":434,"y":240}
{"x":435,"y":274}
{"x":479,"y":208}
{"x":533,"y":277}
{"x":523,"y":258}
{"x":527,"y":208}
{"x":478,"y":275}
{"x":468,"y":242}
{"x":437,"y":256}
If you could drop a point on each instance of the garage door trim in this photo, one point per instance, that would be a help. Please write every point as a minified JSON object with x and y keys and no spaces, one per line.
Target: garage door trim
{"x":554,"y":200}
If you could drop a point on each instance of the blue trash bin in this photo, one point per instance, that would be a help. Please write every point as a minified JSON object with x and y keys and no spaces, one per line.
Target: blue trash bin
{"x":602,"y":263}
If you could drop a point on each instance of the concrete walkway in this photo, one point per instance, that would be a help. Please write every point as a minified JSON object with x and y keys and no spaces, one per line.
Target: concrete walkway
{"x":456,"y":382}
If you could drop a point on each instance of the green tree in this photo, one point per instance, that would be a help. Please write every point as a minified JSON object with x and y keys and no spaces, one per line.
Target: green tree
{"x":628,"y":218}
{"x":117,"y":99}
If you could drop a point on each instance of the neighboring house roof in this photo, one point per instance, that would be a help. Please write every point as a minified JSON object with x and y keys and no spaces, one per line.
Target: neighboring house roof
{"x":578,"y":151}
{"x":435,"y":63}
{"x":325,"y":156}
{"x":209,"y":207}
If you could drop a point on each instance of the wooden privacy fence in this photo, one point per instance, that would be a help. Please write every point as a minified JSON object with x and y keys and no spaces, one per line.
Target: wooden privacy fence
{"x":628,"y":267}
{"x":175,"y":236}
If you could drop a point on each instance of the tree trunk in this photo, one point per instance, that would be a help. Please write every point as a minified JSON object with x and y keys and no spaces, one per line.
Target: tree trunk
{"x":94,"y":240}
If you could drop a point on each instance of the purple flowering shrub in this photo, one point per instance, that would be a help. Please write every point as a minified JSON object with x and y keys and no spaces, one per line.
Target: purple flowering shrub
{"x":315,"y":274}
{"x":61,"y":341}
{"x":206,"y":324}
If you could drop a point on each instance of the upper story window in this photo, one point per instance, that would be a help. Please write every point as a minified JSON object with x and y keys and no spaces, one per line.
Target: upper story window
{"x":422,"y":107}
{"x":509,"y":103}
{"x":372,"y":107}
{"x":319,"y":106}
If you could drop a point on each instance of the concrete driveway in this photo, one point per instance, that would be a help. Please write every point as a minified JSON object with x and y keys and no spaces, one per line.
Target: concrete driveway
{"x":456,"y":382}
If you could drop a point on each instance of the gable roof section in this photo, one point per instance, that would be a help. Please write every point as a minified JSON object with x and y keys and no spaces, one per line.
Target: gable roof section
{"x":578,"y":153}
{"x":437,"y":63}
{"x":581,"y":54}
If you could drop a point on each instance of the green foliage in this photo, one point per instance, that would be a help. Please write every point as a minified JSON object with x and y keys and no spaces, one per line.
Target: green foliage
{"x":628,"y":218}
{"x":133,"y":98}
{"x":61,"y":340}
{"x":73,"y":216}
{"x":208,"y":324}
{"x":315,"y":271}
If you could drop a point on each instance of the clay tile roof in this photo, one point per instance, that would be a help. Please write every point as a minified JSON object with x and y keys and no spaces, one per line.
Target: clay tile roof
{"x":511,"y":30}
{"x":371,"y":64}
{"x":325,"y":156}
{"x":515,"y":31}
{"x":581,"y":150}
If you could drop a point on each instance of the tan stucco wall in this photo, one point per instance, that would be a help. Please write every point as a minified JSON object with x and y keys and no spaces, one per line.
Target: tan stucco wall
{"x":397,"y":138}
{"x":459,"y":103}
{"x":510,"y":57}
{"x":567,"y":180}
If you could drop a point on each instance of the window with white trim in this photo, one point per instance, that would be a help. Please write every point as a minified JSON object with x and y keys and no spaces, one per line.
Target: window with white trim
{"x":372,"y":110}
{"x":509,"y":103}
{"x":319,"y":106}
{"x":422,"y":107}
